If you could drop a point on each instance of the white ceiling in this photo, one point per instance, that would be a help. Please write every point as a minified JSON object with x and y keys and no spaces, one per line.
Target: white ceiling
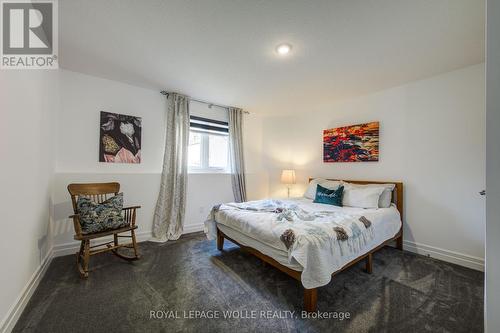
{"x":224,"y":50}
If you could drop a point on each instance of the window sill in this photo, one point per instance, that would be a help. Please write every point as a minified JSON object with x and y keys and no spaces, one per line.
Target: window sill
{"x":208,"y":172}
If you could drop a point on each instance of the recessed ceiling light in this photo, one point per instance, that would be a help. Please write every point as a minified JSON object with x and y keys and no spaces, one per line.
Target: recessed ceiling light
{"x":283,"y":49}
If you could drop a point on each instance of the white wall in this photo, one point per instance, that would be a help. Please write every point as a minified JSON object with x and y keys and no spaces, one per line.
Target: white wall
{"x":492,"y":291}
{"x":431,"y":138}
{"x":28,"y":100}
{"x":257,"y":179}
{"x":82,"y":97}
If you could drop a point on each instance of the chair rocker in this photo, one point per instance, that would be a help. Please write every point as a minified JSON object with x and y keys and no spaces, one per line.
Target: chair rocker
{"x":100,"y":192}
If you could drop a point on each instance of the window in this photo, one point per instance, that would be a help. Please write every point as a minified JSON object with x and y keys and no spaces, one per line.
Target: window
{"x":208,"y":149}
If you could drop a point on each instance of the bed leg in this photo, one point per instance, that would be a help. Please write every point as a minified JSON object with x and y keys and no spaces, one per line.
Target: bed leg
{"x":399,"y":243}
{"x":310,"y":299}
{"x":369,"y":263}
{"x":220,"y":240}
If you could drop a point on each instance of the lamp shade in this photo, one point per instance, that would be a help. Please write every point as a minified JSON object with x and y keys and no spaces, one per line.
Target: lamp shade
{"x":288,"y":176}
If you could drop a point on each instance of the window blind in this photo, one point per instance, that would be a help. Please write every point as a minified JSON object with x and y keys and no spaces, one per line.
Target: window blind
{"x":208,"y":125}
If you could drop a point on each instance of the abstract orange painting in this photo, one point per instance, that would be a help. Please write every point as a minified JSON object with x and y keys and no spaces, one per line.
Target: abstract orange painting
{"x":356,"y":143}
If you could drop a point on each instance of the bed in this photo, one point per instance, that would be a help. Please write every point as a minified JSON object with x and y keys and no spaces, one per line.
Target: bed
{"x":309,"y":241}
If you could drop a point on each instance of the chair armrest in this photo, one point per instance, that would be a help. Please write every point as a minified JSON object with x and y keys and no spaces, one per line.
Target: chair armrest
{"x":76,"y":224}
{"x":131,"y":207}
{"x":129,"y":214}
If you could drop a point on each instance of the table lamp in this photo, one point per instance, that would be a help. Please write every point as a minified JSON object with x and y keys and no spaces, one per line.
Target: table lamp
{"x":288,"y":177}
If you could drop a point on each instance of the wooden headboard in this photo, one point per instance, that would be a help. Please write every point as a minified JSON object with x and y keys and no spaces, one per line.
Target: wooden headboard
{"x":397,"y":193}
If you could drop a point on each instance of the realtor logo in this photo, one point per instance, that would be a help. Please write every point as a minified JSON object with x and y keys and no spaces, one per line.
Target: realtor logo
{"x":29,"y":34}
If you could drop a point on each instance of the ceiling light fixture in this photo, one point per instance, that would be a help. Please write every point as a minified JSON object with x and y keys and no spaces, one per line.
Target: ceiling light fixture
{"x":283,"y":49}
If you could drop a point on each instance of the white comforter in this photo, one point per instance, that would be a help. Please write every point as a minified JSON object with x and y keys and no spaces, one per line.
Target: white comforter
{"x":316,"y":247}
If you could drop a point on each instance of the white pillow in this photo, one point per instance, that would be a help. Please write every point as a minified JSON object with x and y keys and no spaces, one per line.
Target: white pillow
{"x":361,"y":197}
{"x":385,"y":198}
{"x":310,"y":192}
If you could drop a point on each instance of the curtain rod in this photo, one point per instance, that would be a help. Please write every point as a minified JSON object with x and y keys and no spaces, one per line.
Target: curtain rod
{"x":165,"y":93}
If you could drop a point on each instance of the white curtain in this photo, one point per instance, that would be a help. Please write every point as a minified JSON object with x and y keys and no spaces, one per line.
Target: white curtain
{"x":236,"y":154}
{"x":170,"y":208}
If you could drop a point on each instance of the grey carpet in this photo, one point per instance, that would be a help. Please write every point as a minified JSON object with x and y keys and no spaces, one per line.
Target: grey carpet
{"x":405,"y":293}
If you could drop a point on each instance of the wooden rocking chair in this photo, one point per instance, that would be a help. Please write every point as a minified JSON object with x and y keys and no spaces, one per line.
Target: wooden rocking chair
{"x":99,"y":193}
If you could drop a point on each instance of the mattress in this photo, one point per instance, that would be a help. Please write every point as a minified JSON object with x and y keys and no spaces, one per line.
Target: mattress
{"x":317,"y":260}
{"x":279,"y":255}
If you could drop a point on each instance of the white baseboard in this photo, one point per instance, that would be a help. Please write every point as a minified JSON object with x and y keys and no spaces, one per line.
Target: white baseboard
{"x":445,"y":255}
{"x":73,"y":247}
{"x":190,"y":228}
{"x":15,"y":311}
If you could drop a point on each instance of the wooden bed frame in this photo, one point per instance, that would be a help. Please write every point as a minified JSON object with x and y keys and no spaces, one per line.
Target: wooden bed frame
{"x":311,"y":295}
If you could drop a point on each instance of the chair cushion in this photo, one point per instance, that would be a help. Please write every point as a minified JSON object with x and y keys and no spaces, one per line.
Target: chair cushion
{"x":98,"y":217}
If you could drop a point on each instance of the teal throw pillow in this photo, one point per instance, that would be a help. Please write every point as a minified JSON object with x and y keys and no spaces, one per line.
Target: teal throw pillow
{"x":329,"y":197}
